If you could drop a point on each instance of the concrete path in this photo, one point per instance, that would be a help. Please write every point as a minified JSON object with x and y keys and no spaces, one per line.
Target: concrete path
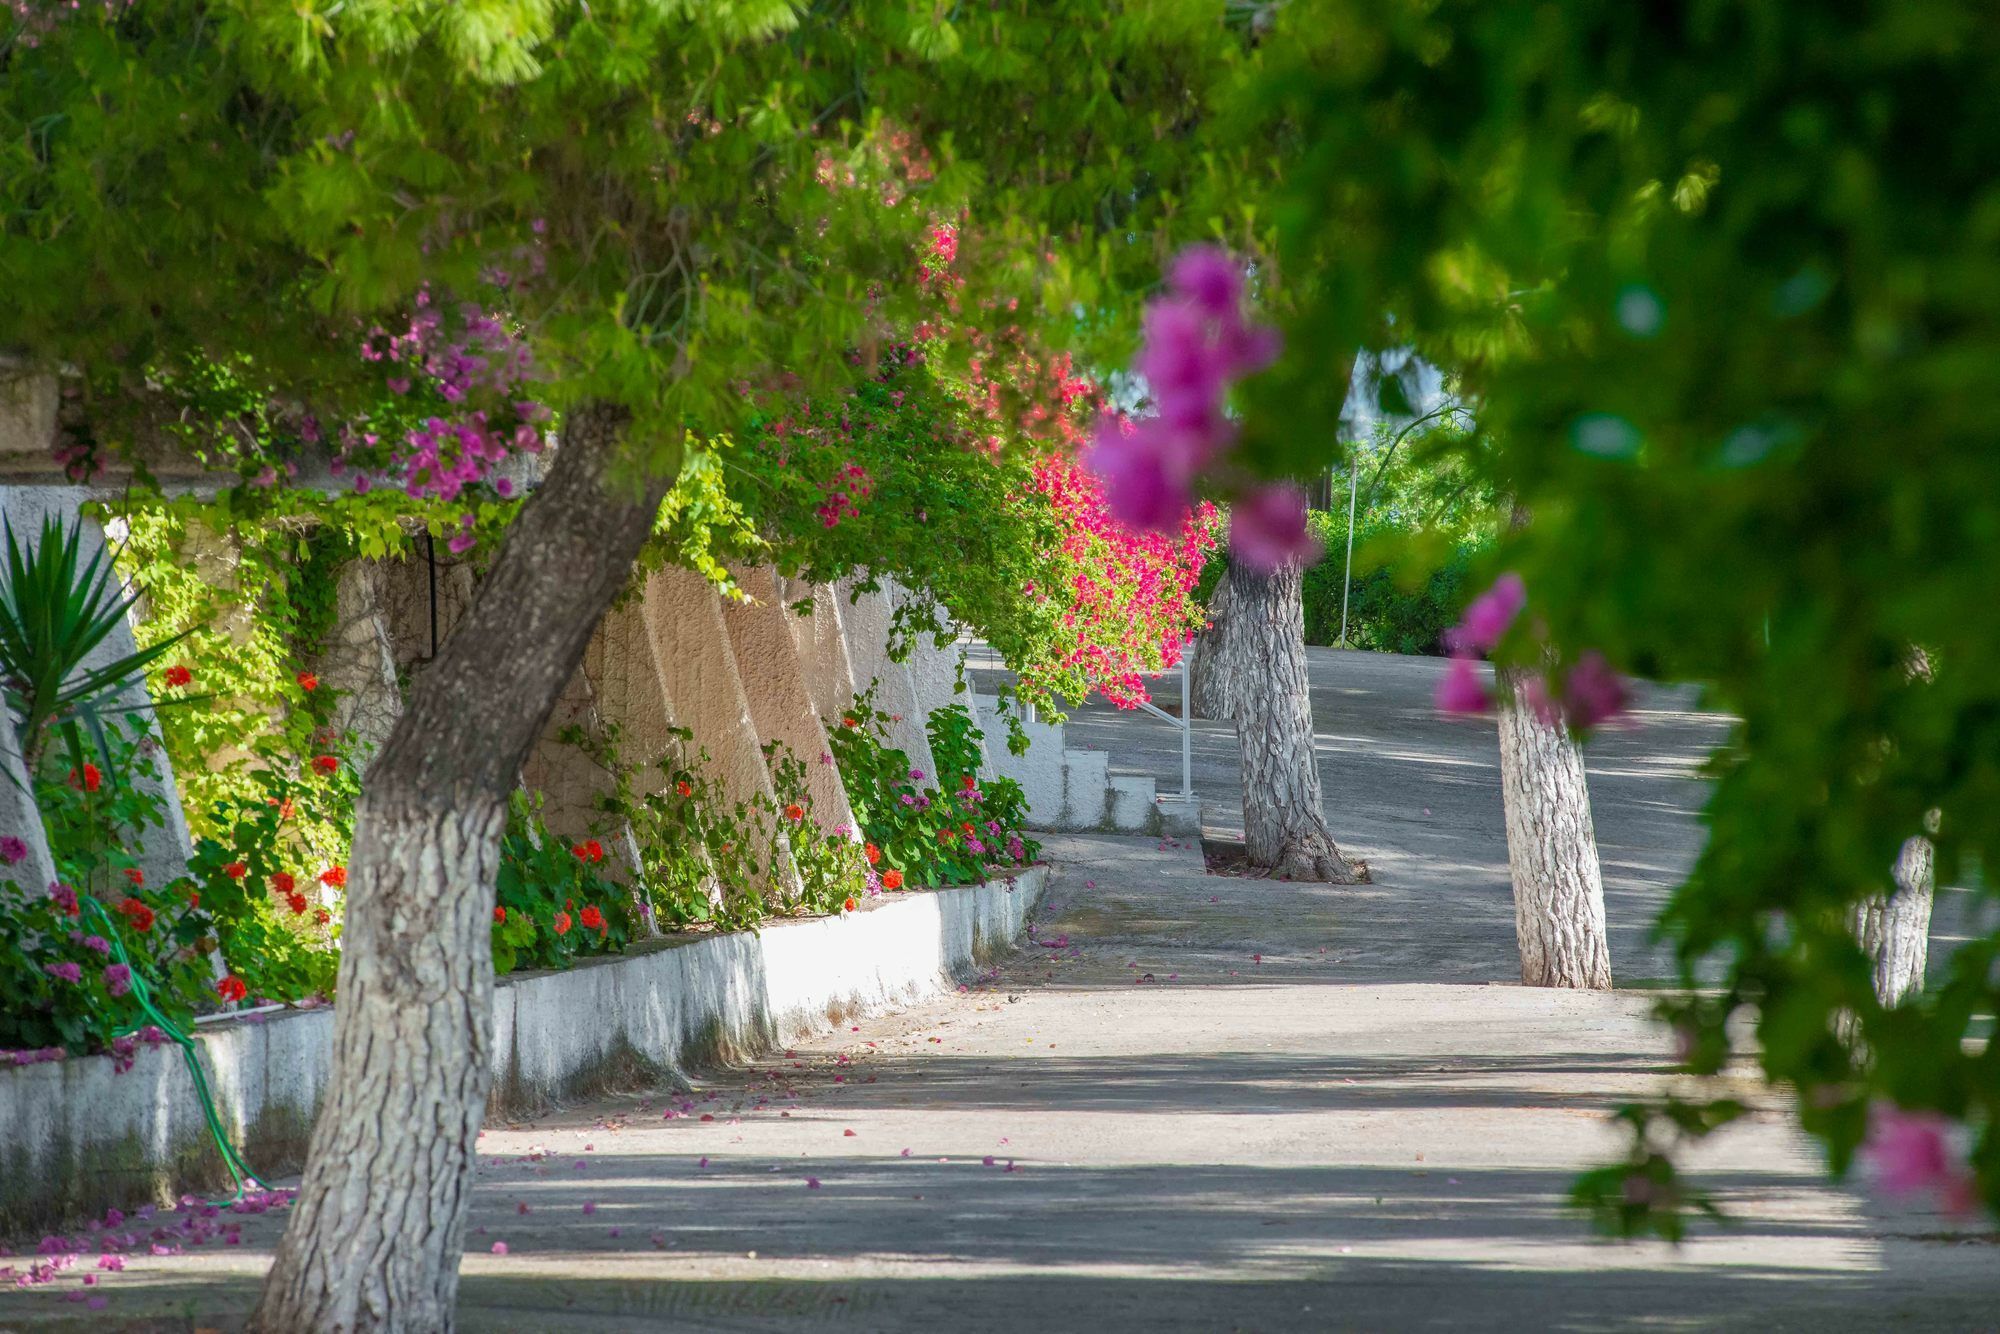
{"x":1199,"y":1104}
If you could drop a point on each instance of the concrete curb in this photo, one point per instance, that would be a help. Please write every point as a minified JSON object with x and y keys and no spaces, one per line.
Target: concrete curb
{"x":76,"y":1138}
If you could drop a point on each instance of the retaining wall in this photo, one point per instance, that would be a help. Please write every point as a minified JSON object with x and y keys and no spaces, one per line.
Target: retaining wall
{"x":76,"y":1138}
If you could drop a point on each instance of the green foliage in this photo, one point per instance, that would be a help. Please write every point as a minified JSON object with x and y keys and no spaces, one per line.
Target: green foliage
{"x":546,"y":891}
{"x":828,"y":865}
{"x":931,"y":829}
{"x":262,"y":879}
{"x":56,"y":609}
{"x":1719,"y":283}
{"x":887,"y":480}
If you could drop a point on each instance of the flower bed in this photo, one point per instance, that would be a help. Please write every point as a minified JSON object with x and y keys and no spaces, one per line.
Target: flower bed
{"x":81,"y":1138}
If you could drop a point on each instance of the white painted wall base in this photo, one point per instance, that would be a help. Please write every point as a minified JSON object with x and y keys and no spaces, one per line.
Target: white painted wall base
{"x":76,"y":1138}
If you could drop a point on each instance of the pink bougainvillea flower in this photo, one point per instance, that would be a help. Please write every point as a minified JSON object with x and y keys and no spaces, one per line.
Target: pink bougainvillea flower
{"x":1267,"y":528}
{"x":1460,"y":690}
{"x":1593,"y":692}
{"x":1487,"y":617}
{"x":1913,"y":1153}
{"x":13,"y":850}
{"x":499,"y":1248}
{"x":117,"y":979}
{"x":1140,"y":490}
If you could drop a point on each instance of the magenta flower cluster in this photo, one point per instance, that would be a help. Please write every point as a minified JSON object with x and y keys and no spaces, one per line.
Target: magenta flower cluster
{"x":1917,"y":1154}
{"x":459,"y":359}
{"x":1196,"y":345}
{"x":1592,"y":692}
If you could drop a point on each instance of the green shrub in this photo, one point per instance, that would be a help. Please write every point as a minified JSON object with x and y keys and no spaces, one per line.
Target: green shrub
{"x":1408,"y":587}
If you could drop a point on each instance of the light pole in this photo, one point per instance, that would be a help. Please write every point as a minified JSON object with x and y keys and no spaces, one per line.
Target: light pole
{"x":1347,"y":578}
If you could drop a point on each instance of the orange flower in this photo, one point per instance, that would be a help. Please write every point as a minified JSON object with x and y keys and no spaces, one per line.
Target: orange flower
{"x":892,"y":879}
{"x":872,"y":853}
{"x":231,"y":989}
{"x":849,"y":722}
{"x":795,"y":812}
{"x":334,"y":877}
{"x":850,"y":905}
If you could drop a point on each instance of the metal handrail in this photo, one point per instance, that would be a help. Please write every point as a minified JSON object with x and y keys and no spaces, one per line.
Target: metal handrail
{"x":1185,"y":723}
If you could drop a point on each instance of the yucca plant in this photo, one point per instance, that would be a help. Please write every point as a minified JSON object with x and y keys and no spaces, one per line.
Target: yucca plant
{"x":56,"y":608}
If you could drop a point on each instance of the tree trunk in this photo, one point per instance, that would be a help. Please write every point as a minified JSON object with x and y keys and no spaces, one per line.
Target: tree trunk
{"x":1895,"y":929}
{"x":1284,"y":821}
{"x":1215,"y":663}
{"x":1551,"y":847}
{"x":374,"y":1236}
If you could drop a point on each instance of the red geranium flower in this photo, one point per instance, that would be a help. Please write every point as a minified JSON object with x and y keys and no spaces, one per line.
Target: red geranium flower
{"x":307,"y":681}
{"x":326,"y":764}
{"x":282,"y":883}
{"x":850,"y":905}
{"x":231,"y":988}
{"x":872,"y":853}
{"x":236,"y":870}
{"x":499,"y":913}
{"x":178,"y":675}
{"x":892,"y":879}
{"x":135,"y":875}
{"x":562,"y":923}
{"x":947,"y":835}
{"x":592,"y":918}
{"x":137,"y":915}
{"x":593,"y":851}
{"x":92,"y":779}
{"x":334,"y":876}
{"x":297,"y":903}
{"x":849,"y":722}
{"x":968,"y":782}
{"x":322,"y":917}
{"x":795,"y":812}
{"x":685,"y":788}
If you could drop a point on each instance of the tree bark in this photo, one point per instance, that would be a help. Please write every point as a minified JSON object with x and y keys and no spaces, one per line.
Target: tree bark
{"x":1895,"y":929}
{"x":1284,"y":820}
{"x":374,"y":1237}
{"x":1215,"y":663}
{"x":1551,"y":847}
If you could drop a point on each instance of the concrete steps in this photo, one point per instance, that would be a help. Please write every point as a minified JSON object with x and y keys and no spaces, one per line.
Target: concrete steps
{"x":1071,"y":788}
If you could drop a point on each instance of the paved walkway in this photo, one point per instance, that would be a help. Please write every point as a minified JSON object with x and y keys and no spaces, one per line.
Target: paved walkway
{"x":1199,"y":1104}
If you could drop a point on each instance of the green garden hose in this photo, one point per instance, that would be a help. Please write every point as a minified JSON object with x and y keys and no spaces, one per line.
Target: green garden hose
{"x":143,"y":993}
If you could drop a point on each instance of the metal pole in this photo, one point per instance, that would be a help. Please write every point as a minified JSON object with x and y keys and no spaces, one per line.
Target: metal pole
{"x":1347,"y":579}
{"x":1187,"y":729}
